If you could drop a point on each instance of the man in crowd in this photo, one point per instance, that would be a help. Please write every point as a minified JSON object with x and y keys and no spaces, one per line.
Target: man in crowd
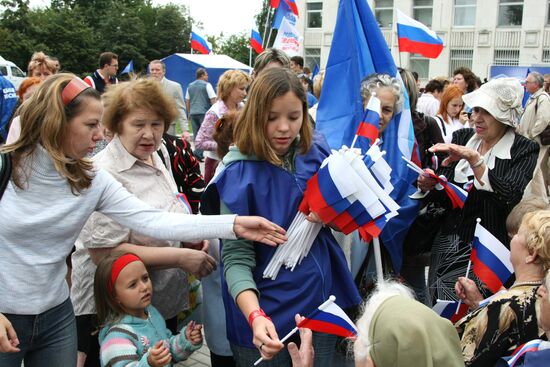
{"x":106,"y":74}
{"x":297,"y":64}
{"x":8,"y":101}
{"x":199,"y":97}
{"x":535,"y":119}
{"x":158,"y":71}
{"x":428,"y":103}
{"x":547,"y":83}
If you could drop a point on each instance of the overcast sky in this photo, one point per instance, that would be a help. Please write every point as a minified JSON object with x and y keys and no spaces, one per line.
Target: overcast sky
{"x":227,"y":16}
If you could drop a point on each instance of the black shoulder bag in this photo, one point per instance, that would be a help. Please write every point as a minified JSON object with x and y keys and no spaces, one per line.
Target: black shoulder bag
{"x":5,"y":172}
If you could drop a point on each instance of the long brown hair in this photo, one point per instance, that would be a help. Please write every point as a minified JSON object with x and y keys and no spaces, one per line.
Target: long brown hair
{"x":44,"y":120}
{"x":249,"y":131}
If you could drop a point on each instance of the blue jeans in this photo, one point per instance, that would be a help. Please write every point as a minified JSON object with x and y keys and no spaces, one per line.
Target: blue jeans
{"x":324,"y":346}
{"x":196,"y":122}
{"x":47,"y":339}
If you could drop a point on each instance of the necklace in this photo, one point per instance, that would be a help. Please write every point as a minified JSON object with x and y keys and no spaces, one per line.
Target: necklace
{"x":533,"y":283}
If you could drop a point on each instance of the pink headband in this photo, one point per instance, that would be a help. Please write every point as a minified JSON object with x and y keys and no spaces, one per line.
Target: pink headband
{"x":73,"y":89}
{"x":117,"y":267}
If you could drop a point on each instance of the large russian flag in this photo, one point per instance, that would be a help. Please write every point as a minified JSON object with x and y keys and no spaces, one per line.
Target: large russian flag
{"x":491,"y":259}
{"x":292,"y":5}
{"x":531,"y":346}
{"x":256,"y":41}
{"x":199,"y":43}
{"x":415,"y":37}
{"x":331,"y":319}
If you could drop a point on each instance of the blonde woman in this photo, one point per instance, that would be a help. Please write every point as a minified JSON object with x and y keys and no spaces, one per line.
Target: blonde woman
{"x":52,"y":192}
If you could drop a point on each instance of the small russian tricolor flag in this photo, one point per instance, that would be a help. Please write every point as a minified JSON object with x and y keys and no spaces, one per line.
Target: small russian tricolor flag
{"x":531,"y":346}
{"x":199,"y":43}
{"x":256,"y":41}
{"x":491,"y":259}
{"x":415,"y":37}
{"x":447,"y":309}
{"x":368,"y":127}
{"x":329,"y":318}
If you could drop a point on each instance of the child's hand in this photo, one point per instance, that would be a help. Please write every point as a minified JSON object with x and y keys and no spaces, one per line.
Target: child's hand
{"x":159,"y":355}
{"x":193,"y":333}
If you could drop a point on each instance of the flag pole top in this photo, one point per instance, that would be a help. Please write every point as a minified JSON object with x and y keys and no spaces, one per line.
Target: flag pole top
{"x":478,"y":220}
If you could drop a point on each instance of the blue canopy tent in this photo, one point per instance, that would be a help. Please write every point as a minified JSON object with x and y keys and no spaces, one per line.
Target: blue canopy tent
{"x":182,"y":67}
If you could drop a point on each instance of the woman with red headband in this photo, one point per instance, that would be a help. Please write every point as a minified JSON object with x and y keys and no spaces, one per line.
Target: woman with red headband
{"x":132,"y":329}
{"x":52,"y":191}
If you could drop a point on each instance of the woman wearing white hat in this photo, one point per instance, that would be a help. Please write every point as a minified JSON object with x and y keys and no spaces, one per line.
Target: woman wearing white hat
{"x":491,"y":161}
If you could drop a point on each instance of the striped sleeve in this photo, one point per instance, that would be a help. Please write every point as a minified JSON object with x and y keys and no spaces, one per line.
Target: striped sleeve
{"x":118,"y":348}
{"x":180,"y":347}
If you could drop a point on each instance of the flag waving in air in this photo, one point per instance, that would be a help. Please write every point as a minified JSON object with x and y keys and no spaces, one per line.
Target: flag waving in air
{"x":199,"y":43}
{"x":329,"y":318}
{"x":256,"y":41}
{"x":415,"y":37}
{"x":358,"y":50}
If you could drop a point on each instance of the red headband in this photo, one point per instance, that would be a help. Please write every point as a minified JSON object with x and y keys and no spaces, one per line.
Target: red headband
{"x":118,"y":265}
{"x":73,"y":89}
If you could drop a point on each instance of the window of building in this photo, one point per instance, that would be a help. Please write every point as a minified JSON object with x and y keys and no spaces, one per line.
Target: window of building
{"x":421,"y":65}
{"x":312,"y":57}
{"x":510,"y":12}
{"x":546,"y":56}
{"x":464,"y":13}
{"x":422,"y":11}
{"x":383,"y":10}
{"x":506,"y":57}
{"x":314,"y":15}
{"x":548,"y":13}
{"x":460,"y":58}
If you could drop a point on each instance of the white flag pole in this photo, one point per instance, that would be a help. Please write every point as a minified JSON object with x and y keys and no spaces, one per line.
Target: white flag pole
{"x":378,"y":259}
{"x":325,"y":304}
{"x":269,"y":12}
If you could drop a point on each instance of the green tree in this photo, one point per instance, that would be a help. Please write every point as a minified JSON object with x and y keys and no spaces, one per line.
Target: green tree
{"x":237,"y":47}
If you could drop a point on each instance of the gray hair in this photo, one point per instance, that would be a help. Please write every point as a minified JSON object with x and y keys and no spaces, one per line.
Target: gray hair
{"x":375,"y":81}
{"x":384,"y":290}
{"x":538,"y":78}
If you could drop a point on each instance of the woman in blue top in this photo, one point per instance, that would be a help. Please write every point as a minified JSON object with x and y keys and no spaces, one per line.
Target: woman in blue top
{"x":266,"y":174}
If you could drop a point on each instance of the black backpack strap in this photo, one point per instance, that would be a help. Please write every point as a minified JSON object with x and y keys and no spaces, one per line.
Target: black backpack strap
{"x":442,"y":125}
{"x":5,"y":172}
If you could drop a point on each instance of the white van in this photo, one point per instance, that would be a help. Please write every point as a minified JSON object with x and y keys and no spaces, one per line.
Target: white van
{"x":9,"y":70}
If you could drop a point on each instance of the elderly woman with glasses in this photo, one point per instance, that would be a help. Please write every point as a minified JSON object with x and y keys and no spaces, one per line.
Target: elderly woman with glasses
{"x":491,"y":161}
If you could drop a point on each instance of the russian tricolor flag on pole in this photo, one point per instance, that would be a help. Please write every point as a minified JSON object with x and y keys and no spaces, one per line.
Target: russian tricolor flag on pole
{"x":274,"y":3}
{"x":256,"y":41}
{"x":292,"y":5}
{"x":491,"y":259}
{"x":447,"y":309}
{"x":199,"y":43}
{"x":368,"y":127}
{"x":531,"y":346}
{"x":415,"y":37}
{"x":329,"y":318}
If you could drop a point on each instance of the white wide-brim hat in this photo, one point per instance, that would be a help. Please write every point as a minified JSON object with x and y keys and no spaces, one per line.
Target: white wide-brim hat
{"x":501,"y":98}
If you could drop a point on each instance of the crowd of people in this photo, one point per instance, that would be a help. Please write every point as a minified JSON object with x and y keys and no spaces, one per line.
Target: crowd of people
{"x":103,"y":272}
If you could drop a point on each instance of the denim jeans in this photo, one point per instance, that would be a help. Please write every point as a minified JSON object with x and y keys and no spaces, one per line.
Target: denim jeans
{"x":47,"y":339}
{"x":196,"y":122}
{"x":324,"y":346}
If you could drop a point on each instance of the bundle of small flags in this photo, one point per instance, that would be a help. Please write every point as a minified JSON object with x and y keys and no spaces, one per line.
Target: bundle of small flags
{"x":349,"y":192}
{"x":456,"y":194}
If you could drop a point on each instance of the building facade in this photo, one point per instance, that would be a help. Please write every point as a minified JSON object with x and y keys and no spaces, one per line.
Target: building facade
{"x":476,"y":33}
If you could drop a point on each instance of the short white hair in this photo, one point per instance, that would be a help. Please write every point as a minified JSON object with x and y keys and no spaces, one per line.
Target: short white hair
{"x":384,"y":290}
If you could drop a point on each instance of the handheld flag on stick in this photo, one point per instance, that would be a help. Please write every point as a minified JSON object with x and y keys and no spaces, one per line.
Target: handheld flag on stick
{"x":448,"y":310}
{"x":129,"y":68}
{"x":415,"y":37}
{"x":256,"y":41}
{"x":520,"y":351}
{"x":328,"y":318}
{"x":200,"y":44}
{"x":491,"y":259}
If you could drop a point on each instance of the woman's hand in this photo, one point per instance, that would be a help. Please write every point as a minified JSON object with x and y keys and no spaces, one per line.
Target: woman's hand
{"x":467,"y":291}
{"x":463,"y":118}
{"x":260,"y":230}
{"x":265,"y":337}
{"x":200,"y":246}
{"x":193,"y":333}
{"x":302,"y":357}
{"x":196,"y":262}
{"x":456,"y":153}
{"x":8,"y":336}
{"x":159,"y":355}
{"x":426,"y":183}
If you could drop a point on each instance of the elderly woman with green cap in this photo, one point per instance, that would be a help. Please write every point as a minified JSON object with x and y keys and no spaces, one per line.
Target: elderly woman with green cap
{"x":494,"y":164}
{"x":397,"y":331}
